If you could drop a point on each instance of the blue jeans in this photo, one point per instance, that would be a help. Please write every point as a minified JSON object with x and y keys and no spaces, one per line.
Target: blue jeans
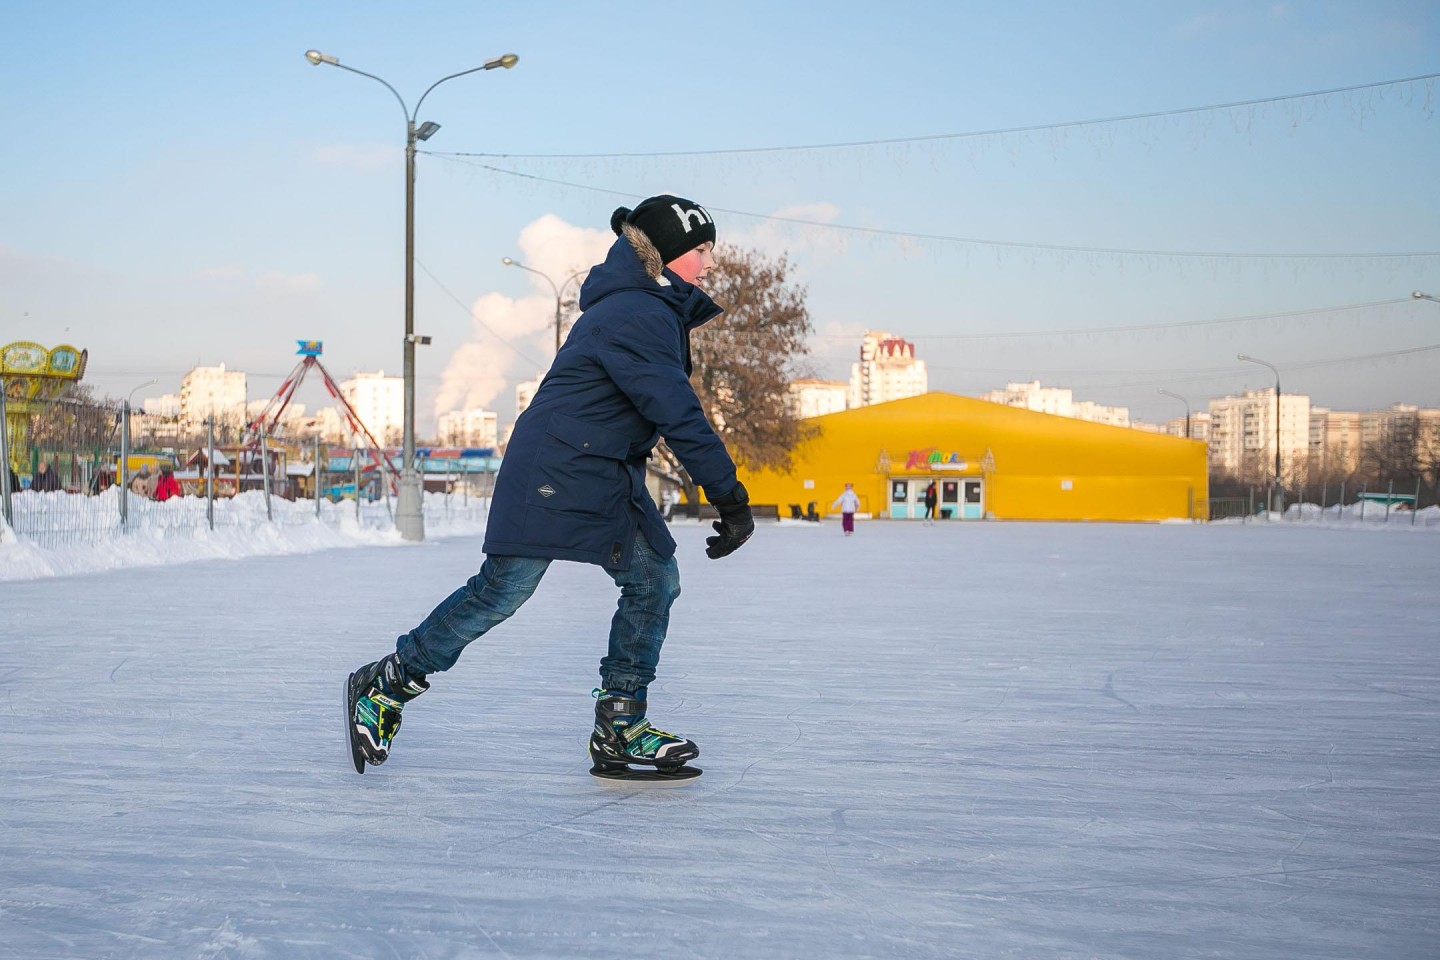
{"x":637,"y":631}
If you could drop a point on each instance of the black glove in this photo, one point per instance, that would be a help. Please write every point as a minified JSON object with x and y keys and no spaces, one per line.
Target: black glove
{"x":734,"y":526}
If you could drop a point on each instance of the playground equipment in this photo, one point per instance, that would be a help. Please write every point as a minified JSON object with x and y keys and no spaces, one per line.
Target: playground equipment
{"x":31,"y":377}
{"x":264,"y":424}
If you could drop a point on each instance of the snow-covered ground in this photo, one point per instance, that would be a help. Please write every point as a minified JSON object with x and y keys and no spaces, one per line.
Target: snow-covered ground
{"x":989,"y":740}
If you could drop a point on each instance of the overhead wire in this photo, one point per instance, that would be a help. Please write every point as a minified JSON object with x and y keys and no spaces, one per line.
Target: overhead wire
{"x":973,"y":241}
{"x":969,"y":134}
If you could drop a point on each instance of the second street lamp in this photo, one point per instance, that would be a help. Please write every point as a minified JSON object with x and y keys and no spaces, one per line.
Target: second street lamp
{"x":409,"y":518}
{"x":559,"y":290}
{"x":1279,"y":497}
{"x":1187,"y":410}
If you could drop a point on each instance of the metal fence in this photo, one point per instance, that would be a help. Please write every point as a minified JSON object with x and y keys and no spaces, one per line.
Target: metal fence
{"x":1329,"y":504}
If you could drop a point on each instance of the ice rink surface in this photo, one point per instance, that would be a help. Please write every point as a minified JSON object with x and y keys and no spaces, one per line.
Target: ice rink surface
{"x":988,"y":740}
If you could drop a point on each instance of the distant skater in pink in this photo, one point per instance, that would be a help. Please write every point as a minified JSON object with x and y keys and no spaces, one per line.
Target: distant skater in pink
{"x":848,"y":504}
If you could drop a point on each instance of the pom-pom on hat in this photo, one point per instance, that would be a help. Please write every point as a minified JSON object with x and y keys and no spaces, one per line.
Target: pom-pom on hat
{"x":673,"y":224}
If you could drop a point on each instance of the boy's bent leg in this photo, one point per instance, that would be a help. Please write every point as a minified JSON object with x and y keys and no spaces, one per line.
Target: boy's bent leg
{"x":638,"y":628}
{"x":488,"y":598}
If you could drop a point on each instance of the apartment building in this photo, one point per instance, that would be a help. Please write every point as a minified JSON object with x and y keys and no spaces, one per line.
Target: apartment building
{"x":476,"y":427}
{"x":212,"y":392}
{"x":887,"y":370}
{"x":1243,"y":433}
{"x":815,"y":398}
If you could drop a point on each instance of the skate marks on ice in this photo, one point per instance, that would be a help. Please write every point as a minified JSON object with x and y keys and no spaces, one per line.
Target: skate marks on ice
{"x":897,"y":771}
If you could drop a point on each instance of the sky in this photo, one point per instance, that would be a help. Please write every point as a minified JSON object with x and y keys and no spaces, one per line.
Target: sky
{"x":1188,"y":743}
{"x":181,"y":187}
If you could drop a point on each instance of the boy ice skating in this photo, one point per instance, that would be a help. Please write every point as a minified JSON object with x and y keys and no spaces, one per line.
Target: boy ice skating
{"x":572,"y":487}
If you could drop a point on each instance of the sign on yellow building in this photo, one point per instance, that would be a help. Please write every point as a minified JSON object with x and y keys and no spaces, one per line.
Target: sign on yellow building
{"x":988,"y":461}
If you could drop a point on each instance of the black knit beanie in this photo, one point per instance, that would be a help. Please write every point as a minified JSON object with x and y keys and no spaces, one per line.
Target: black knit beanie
{"x":673,"y":224}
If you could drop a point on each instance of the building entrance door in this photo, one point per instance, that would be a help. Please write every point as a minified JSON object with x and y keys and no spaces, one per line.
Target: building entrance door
{"x":949,"y":506}
{"x":974,"y":506}
{"x":959,"y":498}
{"x":907,"y":498}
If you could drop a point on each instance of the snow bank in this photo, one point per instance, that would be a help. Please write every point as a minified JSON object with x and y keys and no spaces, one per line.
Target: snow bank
{"x":177,"y":531}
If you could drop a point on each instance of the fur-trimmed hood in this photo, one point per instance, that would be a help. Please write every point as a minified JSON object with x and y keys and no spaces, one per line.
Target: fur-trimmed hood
{"x":633,"y":264}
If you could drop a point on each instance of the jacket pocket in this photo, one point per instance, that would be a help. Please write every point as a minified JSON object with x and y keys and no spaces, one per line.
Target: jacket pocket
{"x":580,"y":469}
{"x":589,"y":438}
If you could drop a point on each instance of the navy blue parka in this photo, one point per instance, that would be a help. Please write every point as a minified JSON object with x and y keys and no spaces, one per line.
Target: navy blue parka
{"x":572,"y":484}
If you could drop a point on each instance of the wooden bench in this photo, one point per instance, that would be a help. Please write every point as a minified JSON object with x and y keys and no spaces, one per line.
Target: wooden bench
{"x":707,"y":511}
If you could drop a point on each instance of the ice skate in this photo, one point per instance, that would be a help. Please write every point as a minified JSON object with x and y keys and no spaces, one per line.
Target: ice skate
{"x":375,"y":695}
{"x":623,"y":736}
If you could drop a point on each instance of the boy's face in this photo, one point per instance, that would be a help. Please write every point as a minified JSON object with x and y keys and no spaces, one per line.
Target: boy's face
{"x":692,"y":267}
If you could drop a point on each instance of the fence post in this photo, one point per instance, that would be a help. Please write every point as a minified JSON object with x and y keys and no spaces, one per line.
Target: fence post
{"x":210,"y":471}
{"x":125,"y":464}
{"x":1389,"y":498}
{"x":1340,"y":513}
{"x":1250,"y":511}
{"x":5,"y":460}
{"x":1324,"y":495}
{"x":265,"y":474}
{"x":316,"y":477}
{"x":1363,"y":490}
{"x":357,"y":486}
{"x":1415,"y":507}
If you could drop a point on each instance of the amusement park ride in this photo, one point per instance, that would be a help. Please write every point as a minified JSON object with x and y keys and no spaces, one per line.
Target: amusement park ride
{"x":32,"y":377}
{"x":264,"y":424}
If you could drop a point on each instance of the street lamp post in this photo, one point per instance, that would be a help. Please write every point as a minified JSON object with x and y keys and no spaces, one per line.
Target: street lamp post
{"x":559,"y":290}
{"x":1279,"y":497}
{"x":125,"y":452}
{"x":409,"y":519}
{"x":1187,"y":410}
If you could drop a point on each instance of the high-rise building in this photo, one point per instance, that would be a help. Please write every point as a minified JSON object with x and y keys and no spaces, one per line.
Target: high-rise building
{"x":379,"y":402}
{"x":212,"y":391}
{"x":1199,"y":426}
{"x":1334,"y":442}
{"x":525,"y":392}
{"x":815,"y":398}
{"x":476,"y":427}
{"x":1242,"y":434}
{"x":1058,"y":401}
{"x":887,"y":371}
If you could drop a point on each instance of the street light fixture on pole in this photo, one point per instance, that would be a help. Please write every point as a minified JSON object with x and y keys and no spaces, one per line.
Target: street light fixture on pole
{"x":1279,"y":501}
{"x":1187,"y":410}
{"x":409,"y":519}
{"x":558,"y":290}
{"x":1422,"y":295}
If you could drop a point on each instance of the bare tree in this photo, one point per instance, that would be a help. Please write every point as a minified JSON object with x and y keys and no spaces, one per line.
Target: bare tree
{"x":745,"y":359}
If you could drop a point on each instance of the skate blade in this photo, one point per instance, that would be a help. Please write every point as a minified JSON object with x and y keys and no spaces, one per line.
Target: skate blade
{"x":351,"y":748}
{"x":653,"y":777}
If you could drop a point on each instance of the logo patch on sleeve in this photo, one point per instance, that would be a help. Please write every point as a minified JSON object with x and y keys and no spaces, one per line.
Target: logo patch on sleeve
{"x":546,"y":491}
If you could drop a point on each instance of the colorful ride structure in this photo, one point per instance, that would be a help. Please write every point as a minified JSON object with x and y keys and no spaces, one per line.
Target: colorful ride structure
{"x":265,"y":423}
{"x":33,"y":377}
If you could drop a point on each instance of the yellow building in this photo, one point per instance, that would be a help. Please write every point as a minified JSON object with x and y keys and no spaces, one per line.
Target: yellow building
{"x":987,"y":461}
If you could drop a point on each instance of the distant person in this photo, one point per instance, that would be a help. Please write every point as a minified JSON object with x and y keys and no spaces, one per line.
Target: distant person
{"x":46,"y":479}
{"x":848,"y":504}
{"x":931,"y":497}
{"x":103,"y":480}
{"x":142,"y":483}
{"x":166,"y":486}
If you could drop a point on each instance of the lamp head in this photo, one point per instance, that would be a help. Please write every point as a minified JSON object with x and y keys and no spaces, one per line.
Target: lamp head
{"x":317,"y":58}
{"x":1421,"y":295}
{"x":507,"y":61}
{"x":1241,"y":356}
{"x":507,"y":261}
{"x":426,"y":130}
